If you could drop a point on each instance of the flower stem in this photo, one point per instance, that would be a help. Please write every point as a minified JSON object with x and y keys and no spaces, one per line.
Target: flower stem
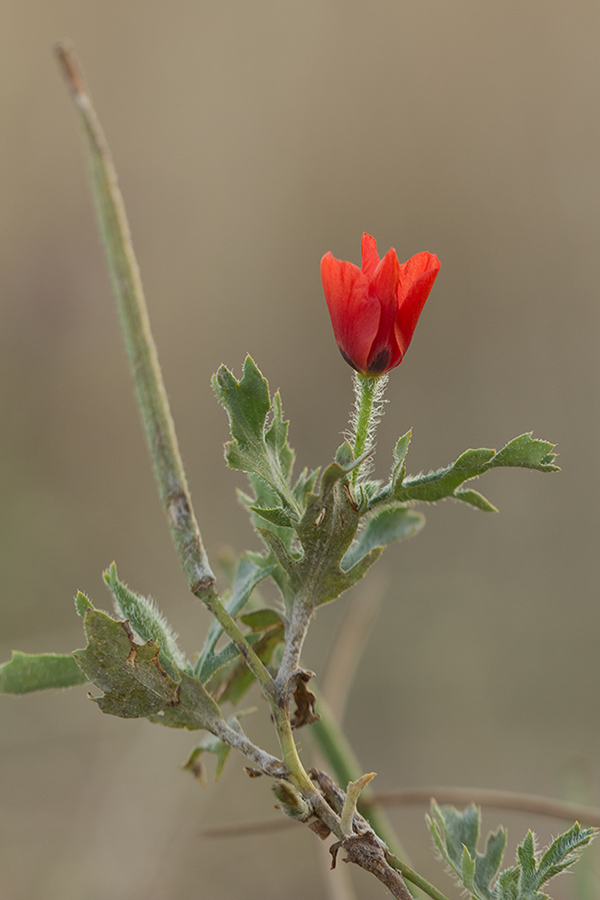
{"x":368,"y":390}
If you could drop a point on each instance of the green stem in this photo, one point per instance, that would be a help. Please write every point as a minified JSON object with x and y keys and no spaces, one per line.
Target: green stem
{"x":297,"y":773}
{"x":410,"y":875}
{"x":143,"y":360}
{"x":368,"y":391}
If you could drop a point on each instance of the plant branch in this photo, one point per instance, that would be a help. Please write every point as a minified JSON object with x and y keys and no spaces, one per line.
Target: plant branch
{"x":143,"y":360}
{"x":268,"y":764}
{"x":295,"y":635}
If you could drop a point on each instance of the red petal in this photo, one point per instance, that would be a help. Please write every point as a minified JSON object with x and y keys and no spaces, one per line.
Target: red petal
{"x":370,"y":257}
{"x":416,"y":280}
{"x":354,"y":315}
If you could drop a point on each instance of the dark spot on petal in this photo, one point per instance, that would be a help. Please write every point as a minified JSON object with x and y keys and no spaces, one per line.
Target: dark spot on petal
{"x":348,"y":360}
{"x":379,"y":363}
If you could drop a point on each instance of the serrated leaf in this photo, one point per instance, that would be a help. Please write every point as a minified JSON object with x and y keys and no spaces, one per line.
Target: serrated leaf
{"x":564,"y":851}
{"x":528,"y":882}
{"x":456,"y":835}
{"x":386,"y":526}
{"x":257,"y":447}
{"x":523,"y":452}
{"x":134,"y":682}
{"x":27,"y":672}
{"x":527,"y":452}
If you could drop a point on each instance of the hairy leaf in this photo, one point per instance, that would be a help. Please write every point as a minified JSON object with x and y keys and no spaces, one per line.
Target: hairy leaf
{"x":134,"y":682}
{"x":383,"y":528}
{"x":26,"y":672}
{"x":258,"y":446}
{"x":524,"y":452}
{"x":456,"y":836}
{"x":147,"y":622}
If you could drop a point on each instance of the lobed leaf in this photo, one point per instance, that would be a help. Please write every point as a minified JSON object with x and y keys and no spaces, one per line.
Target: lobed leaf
{"x":524,"y":452}
{"x":456,"y":835}
{"x":257,"y":447}
{"x":133,"y":681}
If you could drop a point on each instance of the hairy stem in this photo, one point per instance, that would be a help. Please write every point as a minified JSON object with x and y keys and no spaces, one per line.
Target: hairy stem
{"x":368,"y":392}
{"x":143,"y":360}
{"x":268,"y":764}
{"x":295,"y":636}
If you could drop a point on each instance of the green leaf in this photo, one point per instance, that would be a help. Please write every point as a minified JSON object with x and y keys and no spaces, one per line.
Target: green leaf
{"x":564,"y":851}
{"x":276,"y":515}
{"x":261,"y":619}
{"x":383,"y":528}
{"x":258,"y":447}
{"x":523,"y":452}
{"x":456,"y":835}
{"x":400,"y":451}
{"x":134,"y":682}
{"x":247,"y":576}
{"x":527,"y":452}
{"x":82,"y":604}
{"x":147,"y":622}
{"x":26,"y":672}
{"x":325,"y":532}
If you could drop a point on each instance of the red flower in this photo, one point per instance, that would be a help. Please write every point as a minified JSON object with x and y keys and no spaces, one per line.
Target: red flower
{"x":374,"y":310}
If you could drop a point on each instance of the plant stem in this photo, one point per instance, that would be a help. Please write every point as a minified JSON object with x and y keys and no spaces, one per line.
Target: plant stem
{"x":368,"y":390}
{"x":297,"y":773}
{"x":143,"y":360}
{"x":268,"y":764}
{"x":414,"y":878}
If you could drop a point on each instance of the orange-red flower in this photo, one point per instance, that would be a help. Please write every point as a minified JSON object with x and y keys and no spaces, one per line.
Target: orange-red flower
{"x":375,"y":309}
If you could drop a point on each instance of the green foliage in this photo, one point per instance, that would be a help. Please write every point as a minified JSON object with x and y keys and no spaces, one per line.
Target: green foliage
{"x":456,"y":836}
{"x":247,"y":576}
{"x":147,"y":622}
{"x":384,"y":527}
{"x":26,"y":672}
{"x":134,"y":682}
{"x":324,"y":533}
{"x":259,"y":432}
{"x":523,"y":452}
{"x":231,"y":684}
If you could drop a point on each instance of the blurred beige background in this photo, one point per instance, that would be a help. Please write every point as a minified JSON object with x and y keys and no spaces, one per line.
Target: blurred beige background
{"x":251,"y":138}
